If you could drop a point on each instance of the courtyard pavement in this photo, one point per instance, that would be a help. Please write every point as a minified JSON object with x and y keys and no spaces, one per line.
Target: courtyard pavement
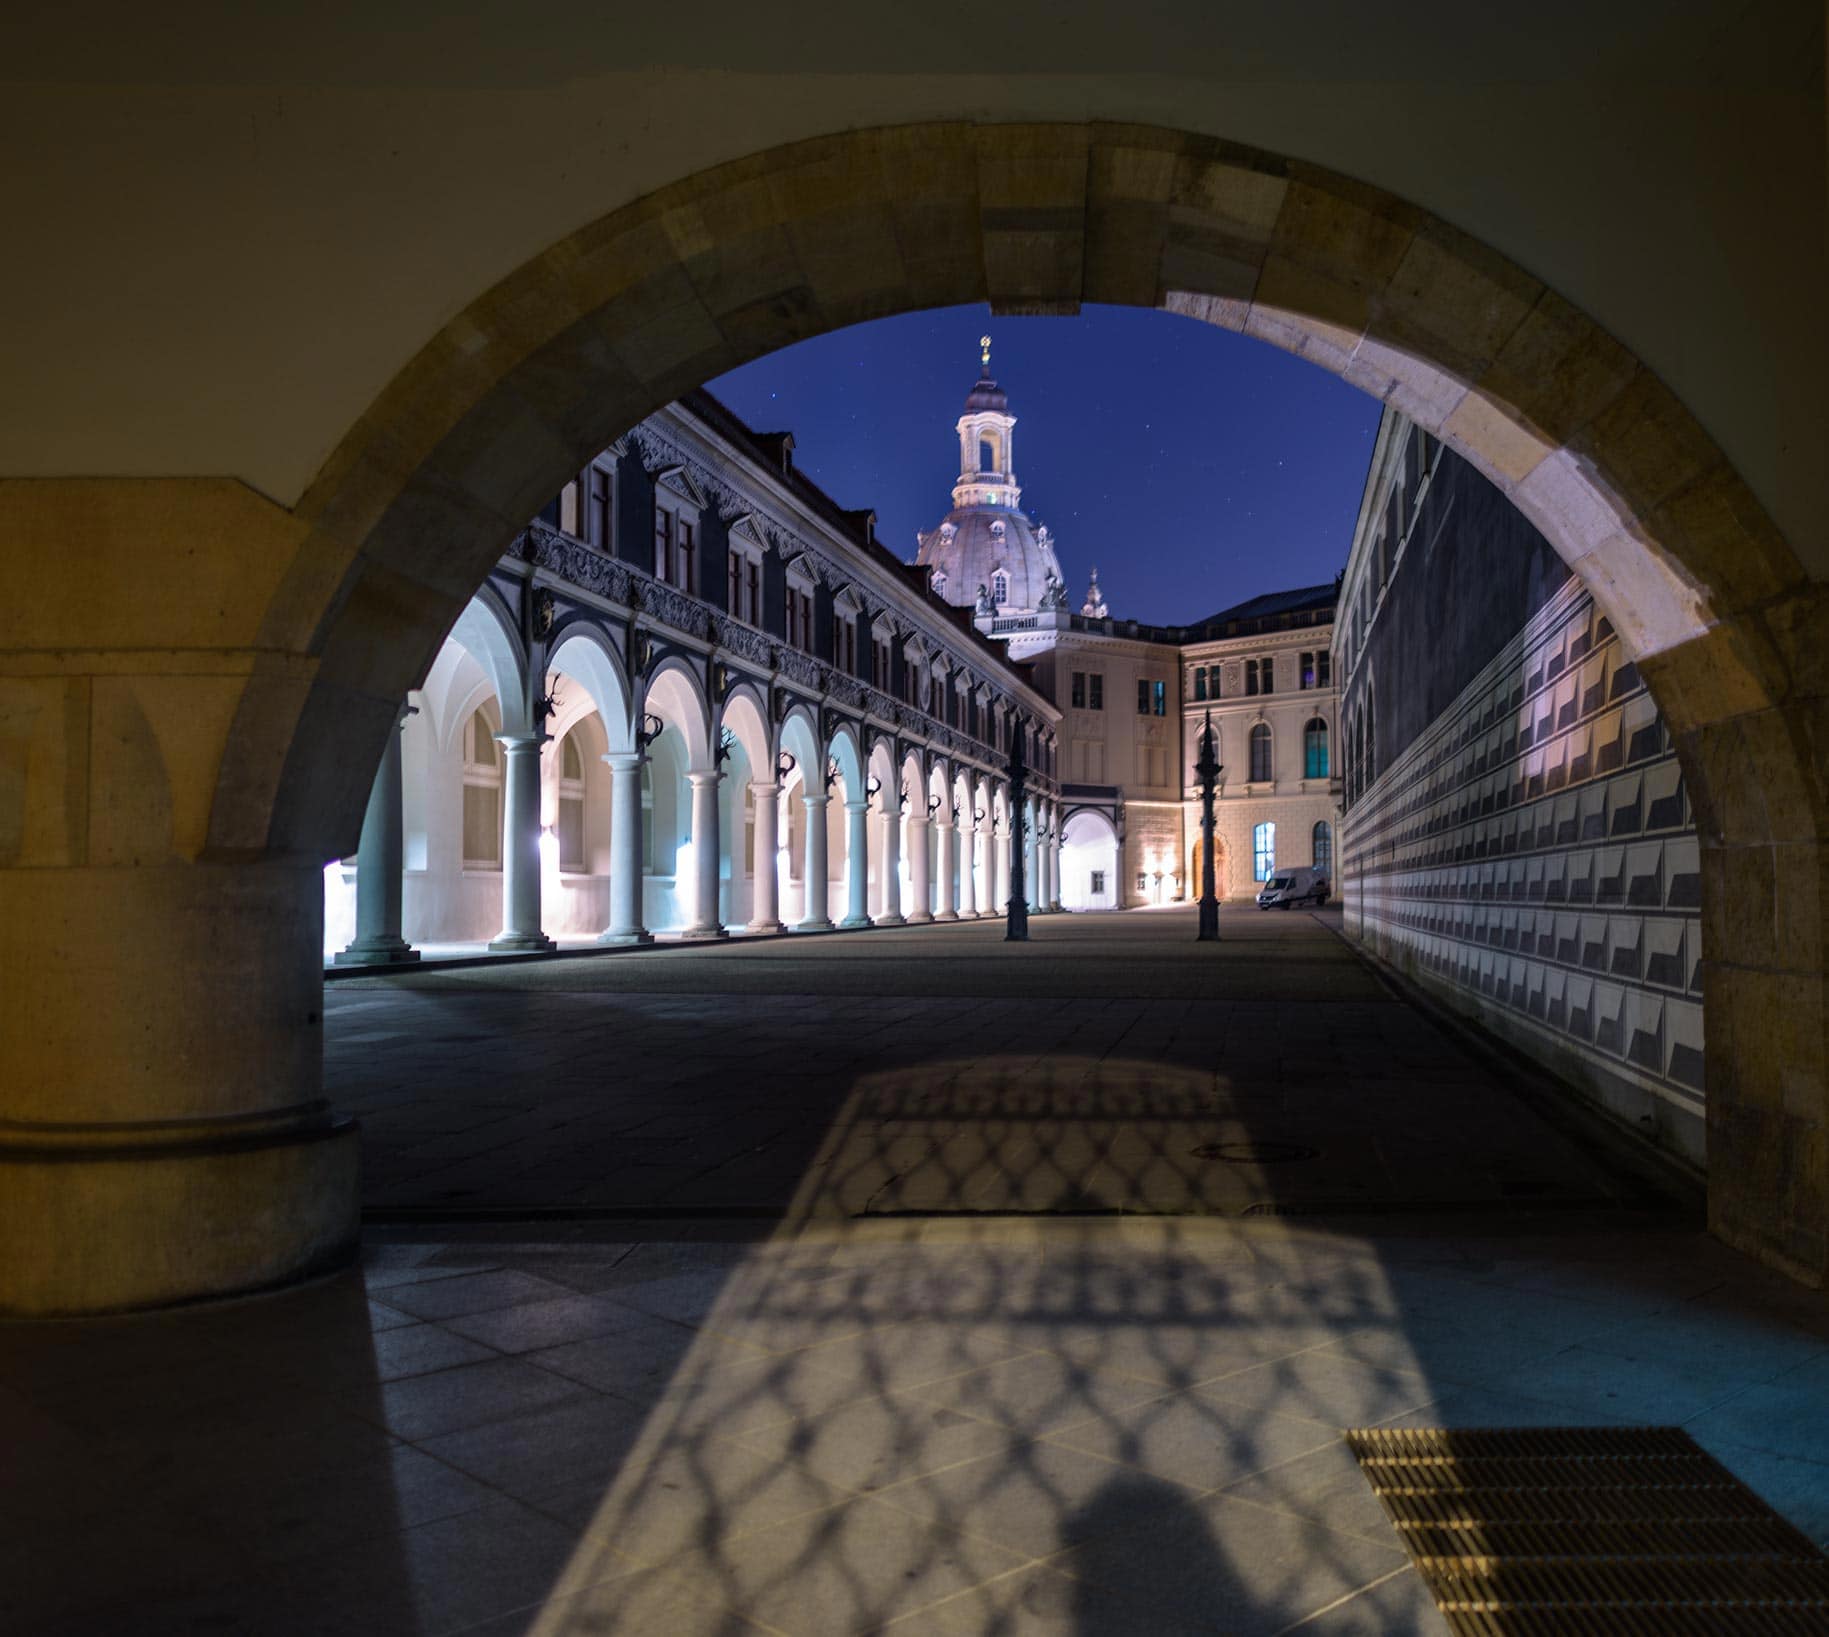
{"x":1001,"y":1356}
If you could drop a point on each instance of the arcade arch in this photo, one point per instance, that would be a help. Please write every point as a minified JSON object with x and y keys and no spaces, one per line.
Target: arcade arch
{"x":486,"y":421}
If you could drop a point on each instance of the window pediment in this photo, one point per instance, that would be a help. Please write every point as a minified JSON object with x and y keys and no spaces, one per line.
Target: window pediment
{"x":676,"y":484}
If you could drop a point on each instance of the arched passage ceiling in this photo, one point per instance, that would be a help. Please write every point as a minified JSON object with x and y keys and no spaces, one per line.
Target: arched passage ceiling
{"x":240,"y":230}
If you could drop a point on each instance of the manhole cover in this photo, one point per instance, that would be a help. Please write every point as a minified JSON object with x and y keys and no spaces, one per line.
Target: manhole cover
{"x":1254,"y":1153}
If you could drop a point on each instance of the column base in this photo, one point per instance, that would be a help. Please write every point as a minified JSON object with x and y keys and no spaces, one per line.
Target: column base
{"x":521,"y":943}
{"x":703,"y":934}
{"x":112,"y":1219}
{"x":756,"y":928}
{"x":890,"y":920}
{"x":947,"y":915}
{"x":920,"y":918}
{"x":813,"y":926}
{"x":624,"y":940}
{"x":851,"y":923}
{"x":376,"y":952}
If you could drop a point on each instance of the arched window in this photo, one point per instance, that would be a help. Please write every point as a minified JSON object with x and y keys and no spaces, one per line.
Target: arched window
{"x":571,"y":807}
{"x":1260,"y":754}
{"x":1000,"y":588}
{"x":482,"y":795}
{"x":1263,"y":851}
{"x":1324,"y":848}
{"x":939,"y":582}
{"x":1314,"y":749}
{"x":987,"y":454}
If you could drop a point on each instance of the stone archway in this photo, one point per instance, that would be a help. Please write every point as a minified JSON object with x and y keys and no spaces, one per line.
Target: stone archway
{"x":364,"y":577}
{"x":1192,"y":878}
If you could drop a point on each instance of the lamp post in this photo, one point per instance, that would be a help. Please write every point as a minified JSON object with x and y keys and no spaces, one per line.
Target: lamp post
{"x":1209,"y":770}
{"x":1016,"y":920}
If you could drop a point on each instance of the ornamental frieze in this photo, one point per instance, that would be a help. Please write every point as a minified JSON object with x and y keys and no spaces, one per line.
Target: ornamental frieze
{"x":675,"y":608}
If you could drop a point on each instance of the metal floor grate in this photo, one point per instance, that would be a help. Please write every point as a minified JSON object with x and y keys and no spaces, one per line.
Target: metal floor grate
{"x":1547,"y":1531}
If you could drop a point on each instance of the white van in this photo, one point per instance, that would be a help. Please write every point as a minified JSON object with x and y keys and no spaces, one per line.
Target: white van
{"x":1286,"y":888}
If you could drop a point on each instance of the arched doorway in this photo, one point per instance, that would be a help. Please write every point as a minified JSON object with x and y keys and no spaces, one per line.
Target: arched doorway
{"x":1193,"y":877}
{"x":1090,"y":862}
{"x":506,"y":401}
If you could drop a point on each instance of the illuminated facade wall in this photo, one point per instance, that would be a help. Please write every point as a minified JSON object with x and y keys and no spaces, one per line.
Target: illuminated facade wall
{"x":1529,"y":849}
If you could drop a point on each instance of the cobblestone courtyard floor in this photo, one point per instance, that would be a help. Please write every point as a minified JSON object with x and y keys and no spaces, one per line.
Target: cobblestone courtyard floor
{"x":925,"y":1376}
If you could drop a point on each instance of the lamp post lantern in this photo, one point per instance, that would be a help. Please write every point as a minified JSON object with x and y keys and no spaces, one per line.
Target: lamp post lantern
{"x":1209,"y":770}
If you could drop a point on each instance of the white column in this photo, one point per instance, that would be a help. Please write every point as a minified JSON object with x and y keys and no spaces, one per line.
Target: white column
{"x":965,"y":844}
{"x":857,"y":864}
{"x":1000,"y":868}
{"x":1031,"y":862}
{"x":816,"y":918}
{"x":890,"y":865}
{"x":626,"y":851}
{"x":1054,"y":858}
{"x":945,"y":863}
{"x":920,"y":880}
{"x":380,"y":858}
{"x":705,"y":855}
{"x":765,"y":905}
{"x":521,"y":846}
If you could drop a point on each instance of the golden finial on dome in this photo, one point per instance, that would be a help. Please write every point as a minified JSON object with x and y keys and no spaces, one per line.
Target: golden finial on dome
{"x":984,"y":355}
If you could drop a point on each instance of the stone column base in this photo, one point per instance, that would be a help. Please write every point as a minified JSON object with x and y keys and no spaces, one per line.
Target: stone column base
{"x":947,"y":915}
{"x":890,"y":920}
{"x":703,"y":934}
{"x":920,"y":918}
{"x":378,"y":952}
{"x":813,"y":926}
{"x":624,"y":940}
{"x":851,"y":923}
{"x":521,"y":943}
{"x":756,"y":927}
{"x":112,"y":1219}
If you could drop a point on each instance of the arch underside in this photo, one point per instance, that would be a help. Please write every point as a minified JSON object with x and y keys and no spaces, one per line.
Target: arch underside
{"x":606,"y":326}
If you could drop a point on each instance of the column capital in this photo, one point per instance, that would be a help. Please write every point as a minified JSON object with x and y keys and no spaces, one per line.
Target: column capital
{"x":700,"y":777}
{"x":859,"y":804}
{"x":815,"y":798}
{"x":511,"y":742}
{"x":761,"y":789}
{"x":626,"y":761}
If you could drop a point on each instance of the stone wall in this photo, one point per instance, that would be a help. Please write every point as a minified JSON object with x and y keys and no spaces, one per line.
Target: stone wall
{"x":1531,"y":854}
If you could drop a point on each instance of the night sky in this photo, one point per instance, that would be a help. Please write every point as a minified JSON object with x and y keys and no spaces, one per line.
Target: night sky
{"x":1194,"y":467}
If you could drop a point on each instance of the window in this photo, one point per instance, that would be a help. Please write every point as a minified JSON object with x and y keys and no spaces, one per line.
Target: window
{"x":1260,"y":754}
{"x":1200,"y":682}
{"x":1097,"y":884}
{"x":939,"y":582}
{"x":799,"y":608}
{"x":1251,"y":676}
{"x":1263,"y":851}
{"x":1159,"y":698}
{"x":752,"y":582}
{"x":1000,"y":588}
{"x":1143,"y":696}
{"x":733,"y":584}
{"x":673,"y":541}
{"x":1142,"y":883}
{"x":987,"y":455}
{"x":1267,"y":675}
{"x":1095,"y":690}
{"x":1307,"y":675}
{"x":1079,"y":690}
{"x":879,"y":663}
{"x":1314,"y":749}
{"x":482,"y":796}
{"x":844,"y":643}
{"x":1324,"y":664}
{"x":1324,"y":848}
{"x":571,"y":807}
{"x":597,"y":521}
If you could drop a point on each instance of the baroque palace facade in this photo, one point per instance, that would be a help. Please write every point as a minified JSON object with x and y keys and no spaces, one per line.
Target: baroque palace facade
{"x":1135,"y":698}
{"x":695,"y":694}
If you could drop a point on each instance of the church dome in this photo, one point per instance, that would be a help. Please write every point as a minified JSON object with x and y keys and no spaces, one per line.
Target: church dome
{"x":973,"y":546}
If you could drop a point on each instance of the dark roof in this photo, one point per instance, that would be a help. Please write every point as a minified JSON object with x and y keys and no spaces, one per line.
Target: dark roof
{"x":1302,"y":601}
{"x":987,"y":394}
